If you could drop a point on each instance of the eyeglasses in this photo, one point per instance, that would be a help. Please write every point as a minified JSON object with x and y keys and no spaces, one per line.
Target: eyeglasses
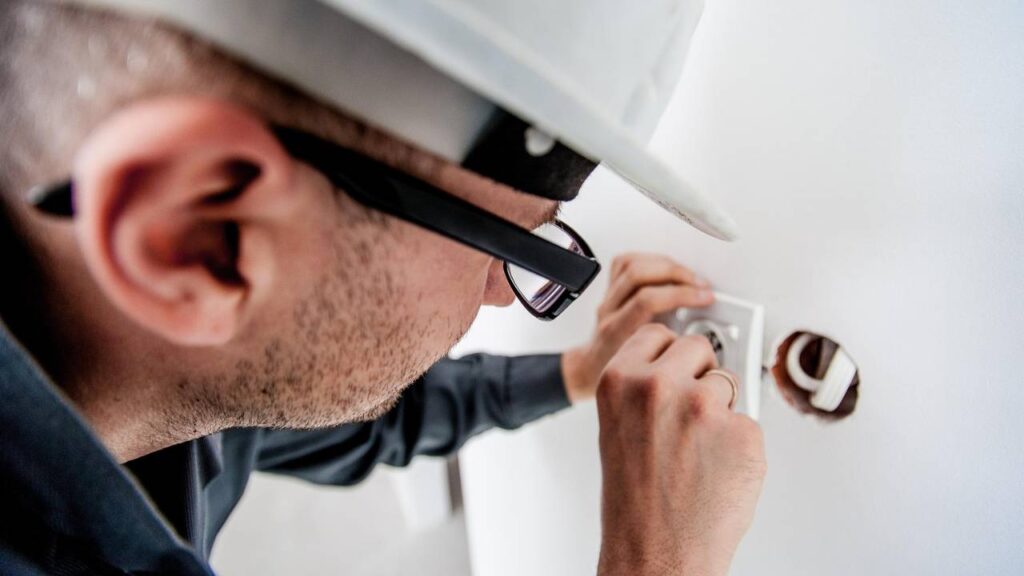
{"x":547,"y":269}
{"x":543,"y":297}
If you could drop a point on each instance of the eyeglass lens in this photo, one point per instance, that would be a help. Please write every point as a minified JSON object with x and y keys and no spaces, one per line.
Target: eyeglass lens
{"x":536,"y":291}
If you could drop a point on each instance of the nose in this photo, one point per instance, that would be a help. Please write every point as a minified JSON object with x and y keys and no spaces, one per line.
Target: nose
{"x":498,"y":292}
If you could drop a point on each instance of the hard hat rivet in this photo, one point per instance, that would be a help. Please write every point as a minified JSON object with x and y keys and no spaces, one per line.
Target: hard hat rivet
{"x":538,"y":142}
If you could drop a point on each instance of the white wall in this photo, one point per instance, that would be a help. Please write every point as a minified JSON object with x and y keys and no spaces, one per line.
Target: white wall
{"x":288,"y":527}
{"x":873,"y":153}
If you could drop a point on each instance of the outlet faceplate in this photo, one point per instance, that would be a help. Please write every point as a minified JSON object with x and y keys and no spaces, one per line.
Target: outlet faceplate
{"x":736,"y":329}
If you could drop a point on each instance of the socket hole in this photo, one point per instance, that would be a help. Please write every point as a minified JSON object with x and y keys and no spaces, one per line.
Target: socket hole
{"x":817,"y":356}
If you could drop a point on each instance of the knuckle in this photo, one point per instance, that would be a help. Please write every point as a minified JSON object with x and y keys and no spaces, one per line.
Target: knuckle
{"x":698,"y":403}
{"x":648,"y":391}
{"x":655,"y":329}
{"x":637,"y":395}
{"x":605,"y":328}
{"x":611,"y":380}
{"x":621,"y":262}
{"x":643,"y":303}
{"x":628,"y":274}
{"x":653,"y":383}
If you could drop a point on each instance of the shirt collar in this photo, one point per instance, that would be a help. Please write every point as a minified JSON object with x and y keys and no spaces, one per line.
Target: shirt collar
{"x":58,"y":474}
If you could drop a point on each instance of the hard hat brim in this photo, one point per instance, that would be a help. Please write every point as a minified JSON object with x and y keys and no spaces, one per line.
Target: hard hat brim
{"x":488,"y":61}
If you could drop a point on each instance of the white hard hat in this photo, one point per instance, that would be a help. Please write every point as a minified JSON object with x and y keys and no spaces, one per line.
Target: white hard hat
{"x":593,"y":76}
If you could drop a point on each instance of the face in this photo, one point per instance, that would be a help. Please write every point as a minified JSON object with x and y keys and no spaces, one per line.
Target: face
{"x":383,"y":302}
{"x":283,"y":301}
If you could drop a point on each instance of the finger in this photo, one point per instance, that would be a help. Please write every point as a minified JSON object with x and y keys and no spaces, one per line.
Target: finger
{"x":652,"y":268}
{"x":644,"y":305}
{"x":646,"y":272}
{"x":621,"y":261}
{"x":643,"y":347}
{"x":690,"y":356}
{"x":626,"y":260}
{"x":719,"y":385}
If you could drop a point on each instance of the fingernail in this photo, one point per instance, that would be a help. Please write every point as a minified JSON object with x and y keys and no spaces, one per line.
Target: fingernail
{"x":704,"y":294}
{"x":701,"y":281}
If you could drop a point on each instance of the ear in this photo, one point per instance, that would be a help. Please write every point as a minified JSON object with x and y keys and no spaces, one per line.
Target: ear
{"x":176,"y":204}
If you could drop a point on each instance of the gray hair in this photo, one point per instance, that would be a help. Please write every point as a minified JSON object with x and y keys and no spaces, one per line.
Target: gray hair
{"x":64,"y":68}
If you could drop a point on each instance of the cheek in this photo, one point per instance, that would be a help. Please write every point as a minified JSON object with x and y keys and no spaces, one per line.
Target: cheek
{"x":307,"y":255}
{"x":451,"y":276}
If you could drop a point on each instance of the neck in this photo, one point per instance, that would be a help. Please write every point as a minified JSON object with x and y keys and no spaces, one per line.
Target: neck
{"x":134,"y":407}
{"x":134,"y":417}
{"x":126,"y":386}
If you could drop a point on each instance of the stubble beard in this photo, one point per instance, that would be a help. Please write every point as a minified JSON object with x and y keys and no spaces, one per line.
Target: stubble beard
{"x":355,"y":344}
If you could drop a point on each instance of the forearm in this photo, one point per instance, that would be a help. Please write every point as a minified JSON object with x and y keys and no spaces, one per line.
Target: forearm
{"x":580,"y":373}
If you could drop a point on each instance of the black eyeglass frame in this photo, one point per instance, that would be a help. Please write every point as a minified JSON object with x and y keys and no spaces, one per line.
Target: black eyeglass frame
{"x":567,"y":297}
{"x":380,"y":187}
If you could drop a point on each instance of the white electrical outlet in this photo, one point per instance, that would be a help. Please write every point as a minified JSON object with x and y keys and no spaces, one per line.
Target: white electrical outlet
{"x":736,"y":330}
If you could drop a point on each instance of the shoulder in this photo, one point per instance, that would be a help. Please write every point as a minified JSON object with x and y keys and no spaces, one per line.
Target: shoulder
{"x":14,"y":564}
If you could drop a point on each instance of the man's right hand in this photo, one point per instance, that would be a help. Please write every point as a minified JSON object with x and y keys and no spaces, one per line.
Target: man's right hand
{"x":681,"y":471}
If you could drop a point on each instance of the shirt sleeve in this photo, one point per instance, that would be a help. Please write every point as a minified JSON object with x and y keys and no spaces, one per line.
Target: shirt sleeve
{"x":454,"y":401}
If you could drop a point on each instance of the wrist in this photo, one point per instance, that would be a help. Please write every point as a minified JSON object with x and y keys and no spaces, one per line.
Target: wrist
{"x":574,"y":374}
{"x":645,"y":557}
{"x":692,"y":565}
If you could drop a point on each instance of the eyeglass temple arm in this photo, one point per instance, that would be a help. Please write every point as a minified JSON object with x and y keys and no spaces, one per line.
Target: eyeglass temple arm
{"x":55,"y":199}
{"x":420,"y":203}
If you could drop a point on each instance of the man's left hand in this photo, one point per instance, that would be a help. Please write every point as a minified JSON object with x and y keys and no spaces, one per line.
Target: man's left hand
{"x":640,"y":287}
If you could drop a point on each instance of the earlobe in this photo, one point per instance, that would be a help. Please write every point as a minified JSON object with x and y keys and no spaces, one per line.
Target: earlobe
{"x":175,"y":200}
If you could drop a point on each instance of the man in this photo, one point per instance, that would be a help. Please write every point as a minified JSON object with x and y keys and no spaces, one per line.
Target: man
{"x":238,"y":276}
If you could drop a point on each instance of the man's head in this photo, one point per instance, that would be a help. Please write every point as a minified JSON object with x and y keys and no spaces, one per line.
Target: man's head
{"x":203,"y":255}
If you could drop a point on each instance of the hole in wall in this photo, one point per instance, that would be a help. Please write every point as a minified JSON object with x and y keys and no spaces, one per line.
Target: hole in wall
{"x":816,"y":376}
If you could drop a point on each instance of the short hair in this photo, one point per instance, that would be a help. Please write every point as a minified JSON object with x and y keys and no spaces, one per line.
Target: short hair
{"x":64,"y":68}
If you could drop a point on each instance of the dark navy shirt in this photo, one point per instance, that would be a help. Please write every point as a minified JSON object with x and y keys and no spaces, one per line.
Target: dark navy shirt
{"x":68,"y":508}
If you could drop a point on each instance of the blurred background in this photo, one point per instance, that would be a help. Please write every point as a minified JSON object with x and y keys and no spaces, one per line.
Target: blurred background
{"x":873,"y":155}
